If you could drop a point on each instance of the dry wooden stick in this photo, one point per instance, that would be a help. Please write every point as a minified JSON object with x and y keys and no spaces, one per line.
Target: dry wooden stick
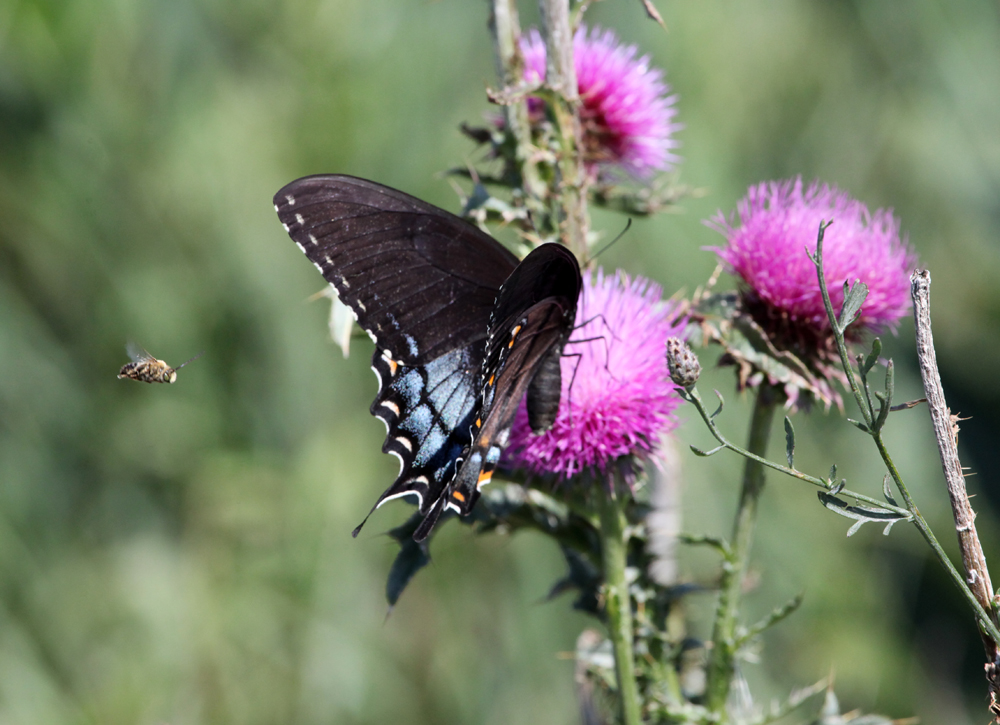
{"x":976,"y":572}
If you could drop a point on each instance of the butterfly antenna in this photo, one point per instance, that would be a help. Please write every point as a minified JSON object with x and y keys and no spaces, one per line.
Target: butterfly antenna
{"x":606,"y":247}
{"x":188,"y":361}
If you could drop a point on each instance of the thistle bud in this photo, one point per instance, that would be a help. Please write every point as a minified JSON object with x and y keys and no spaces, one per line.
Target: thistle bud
{"x":682,"y":363}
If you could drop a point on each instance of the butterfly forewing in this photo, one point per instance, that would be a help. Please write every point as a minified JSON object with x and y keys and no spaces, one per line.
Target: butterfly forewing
{"x":421,"y":281}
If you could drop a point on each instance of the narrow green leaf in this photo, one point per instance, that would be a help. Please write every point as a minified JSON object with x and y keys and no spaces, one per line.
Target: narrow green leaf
{"x":861,"y":514}
{"x":789,"y":442}
{"x":722,"y":404}
{"x":720,"y":545}
{"x":859,"y":424}
{"x":706,"y":454}
{"x":833,"y":474}
{"x":774,"y":617}
{"x":887,"y":491}
{"x":859,"y":360}
{"x":838,"y":487}
{"x":886,"y":399}
{"x":873,"y":356}
{"x":853,"y":299}
{"x":885,"y":531}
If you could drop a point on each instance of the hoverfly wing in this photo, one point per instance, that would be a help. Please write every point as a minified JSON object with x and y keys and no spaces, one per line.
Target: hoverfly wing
{"x":137,"y":353}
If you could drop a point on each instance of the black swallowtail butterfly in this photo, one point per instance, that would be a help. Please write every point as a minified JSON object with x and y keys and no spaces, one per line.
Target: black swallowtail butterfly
{"x":462,"y":330}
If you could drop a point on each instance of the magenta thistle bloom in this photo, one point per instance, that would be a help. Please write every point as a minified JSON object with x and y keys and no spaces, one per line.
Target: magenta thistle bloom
{"x":628,"y":112}
{"x":779,"y":220}
{"x":621,"y":399}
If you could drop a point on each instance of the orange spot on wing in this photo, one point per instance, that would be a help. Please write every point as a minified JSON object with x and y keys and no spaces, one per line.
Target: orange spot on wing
{"x":458,"y":495}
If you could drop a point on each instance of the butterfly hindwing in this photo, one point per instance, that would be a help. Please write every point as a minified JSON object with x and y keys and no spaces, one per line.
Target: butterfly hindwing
{"x":428,"y":412}
{"x":526,"y":335}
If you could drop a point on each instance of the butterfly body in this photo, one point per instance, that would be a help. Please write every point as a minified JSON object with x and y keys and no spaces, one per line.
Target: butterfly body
{"x":462,"y":330}
{"x":147,"y":369}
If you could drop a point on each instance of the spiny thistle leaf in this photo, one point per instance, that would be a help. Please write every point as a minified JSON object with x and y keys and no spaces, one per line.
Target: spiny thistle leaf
{"x":583,"y":577}
{"x":724,"y":319}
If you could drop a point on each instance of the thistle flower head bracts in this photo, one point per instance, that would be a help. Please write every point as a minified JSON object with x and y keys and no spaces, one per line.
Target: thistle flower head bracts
{"x":617,"y":397}
{"x":627,"y":110}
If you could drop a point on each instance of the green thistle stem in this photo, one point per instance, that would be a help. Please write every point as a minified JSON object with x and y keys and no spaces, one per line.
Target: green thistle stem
{"x":721,"y":664}
{"x":506,"y":31}
{"x":617,"y":604}
{"x":560,"y":77}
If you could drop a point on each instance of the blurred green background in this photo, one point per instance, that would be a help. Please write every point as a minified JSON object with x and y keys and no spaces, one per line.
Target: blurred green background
{"x":182,"y":554}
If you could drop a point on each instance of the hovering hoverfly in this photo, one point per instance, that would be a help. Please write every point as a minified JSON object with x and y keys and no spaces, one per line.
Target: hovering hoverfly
{"x":147,"y":369}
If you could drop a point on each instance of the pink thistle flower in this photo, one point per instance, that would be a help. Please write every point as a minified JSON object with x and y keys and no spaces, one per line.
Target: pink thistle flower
{"x":628,"y":112}
{"x":617,"y":398}
{"x":779,"y":220}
